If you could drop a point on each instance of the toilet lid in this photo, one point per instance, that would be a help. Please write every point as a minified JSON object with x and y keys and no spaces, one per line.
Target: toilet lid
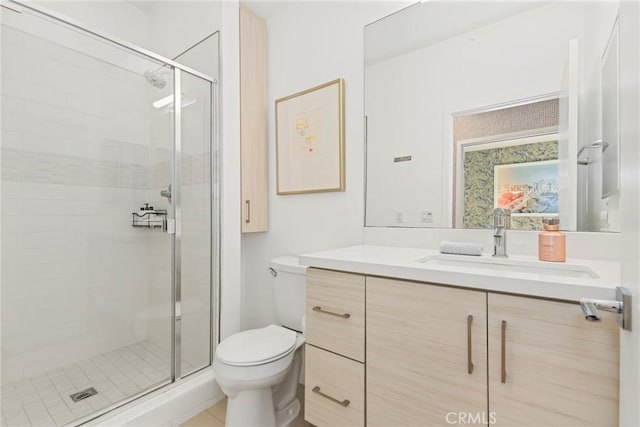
{"x":256,"y":346}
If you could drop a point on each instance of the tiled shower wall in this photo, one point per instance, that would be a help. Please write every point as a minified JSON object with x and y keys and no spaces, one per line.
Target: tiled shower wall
{"x":75,"y":156}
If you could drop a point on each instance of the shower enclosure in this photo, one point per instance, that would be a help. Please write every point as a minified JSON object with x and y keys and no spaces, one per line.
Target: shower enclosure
{"x":109,"y":223}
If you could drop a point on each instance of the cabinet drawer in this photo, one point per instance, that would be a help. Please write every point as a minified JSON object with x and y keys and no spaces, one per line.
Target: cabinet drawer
{"x":335,"y":312}
{"x":334,"y":389}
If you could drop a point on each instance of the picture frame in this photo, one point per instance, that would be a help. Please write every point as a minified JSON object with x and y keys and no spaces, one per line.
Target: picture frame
{"x":310,"y":154}
{"x":529,"y":189}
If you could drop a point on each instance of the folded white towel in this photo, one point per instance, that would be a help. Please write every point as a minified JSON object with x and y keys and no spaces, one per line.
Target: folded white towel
{"x":459,"y":248}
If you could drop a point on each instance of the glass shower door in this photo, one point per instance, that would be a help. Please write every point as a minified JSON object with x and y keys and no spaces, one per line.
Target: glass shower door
{"x":196,"y":225}
{"x":86,"y":149}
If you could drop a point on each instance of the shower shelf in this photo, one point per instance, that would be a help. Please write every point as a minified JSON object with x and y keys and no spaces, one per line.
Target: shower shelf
{"x":149,"y":219}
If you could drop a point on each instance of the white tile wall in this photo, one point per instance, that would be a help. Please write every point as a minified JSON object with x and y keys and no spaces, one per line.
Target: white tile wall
{"x":74,"y":157}
{"x":81,"y":149}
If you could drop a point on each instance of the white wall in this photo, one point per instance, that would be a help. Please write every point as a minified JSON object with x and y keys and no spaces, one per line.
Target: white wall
{"x":231,"y":286}
{"x":177,"y":25}
{"x":630,"y":206}
{"x":304,"y":51}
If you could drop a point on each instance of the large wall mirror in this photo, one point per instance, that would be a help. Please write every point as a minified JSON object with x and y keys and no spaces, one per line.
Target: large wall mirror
{"x":476,"y":105}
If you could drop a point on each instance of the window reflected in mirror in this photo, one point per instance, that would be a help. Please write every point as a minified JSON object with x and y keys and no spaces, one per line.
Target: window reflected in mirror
{"x":508,"y":158}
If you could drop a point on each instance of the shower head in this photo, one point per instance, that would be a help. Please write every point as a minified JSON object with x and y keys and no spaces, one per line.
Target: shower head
{"x":155,"y":78}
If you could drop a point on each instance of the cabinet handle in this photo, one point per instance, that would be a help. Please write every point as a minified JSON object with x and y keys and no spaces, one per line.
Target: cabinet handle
{"x":331,"y":313}
{"x":503,"y":377}
{"x":248,"y":203}
{"x":469,"y":350}
{"x":343,"y":403}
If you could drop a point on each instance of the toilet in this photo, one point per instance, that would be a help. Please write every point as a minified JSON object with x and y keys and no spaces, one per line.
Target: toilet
{"x":259,"y":369}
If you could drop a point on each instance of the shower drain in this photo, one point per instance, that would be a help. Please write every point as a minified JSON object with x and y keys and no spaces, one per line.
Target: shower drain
{"x":81,"y":395}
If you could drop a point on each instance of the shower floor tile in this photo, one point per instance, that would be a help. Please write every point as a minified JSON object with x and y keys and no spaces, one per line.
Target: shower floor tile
{"x":44,"y":400}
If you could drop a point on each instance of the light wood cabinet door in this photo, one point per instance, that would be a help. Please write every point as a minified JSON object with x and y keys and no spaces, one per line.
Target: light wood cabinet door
{"x":334,"y":389}
{"x":253,"y":121}
{"x":560,"y":370}
{"x":335,"y":312}
{"x":418,"y":353}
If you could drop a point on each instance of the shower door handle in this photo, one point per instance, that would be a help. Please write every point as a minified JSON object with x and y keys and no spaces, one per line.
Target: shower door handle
{"x":169,"y":226}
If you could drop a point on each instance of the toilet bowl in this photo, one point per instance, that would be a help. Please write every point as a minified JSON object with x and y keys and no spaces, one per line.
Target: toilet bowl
{"x":259,"y":370}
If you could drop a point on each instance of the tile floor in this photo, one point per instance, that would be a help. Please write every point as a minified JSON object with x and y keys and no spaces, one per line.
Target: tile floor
{"x":215,"y":415}
{"x":44,"y":400}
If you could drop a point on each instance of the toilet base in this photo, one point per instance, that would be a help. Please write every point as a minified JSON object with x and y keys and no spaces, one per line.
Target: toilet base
{"x":286,"y":416}
{"x":275,"y":406}
{"x":261,"y":411}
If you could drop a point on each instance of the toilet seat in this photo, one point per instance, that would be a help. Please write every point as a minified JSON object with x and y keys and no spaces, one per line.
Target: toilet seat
{"x":256,"y":346}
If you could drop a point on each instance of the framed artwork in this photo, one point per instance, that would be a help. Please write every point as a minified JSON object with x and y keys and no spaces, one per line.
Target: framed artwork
{"x":310,"y":140}
{"x":528,"y":189}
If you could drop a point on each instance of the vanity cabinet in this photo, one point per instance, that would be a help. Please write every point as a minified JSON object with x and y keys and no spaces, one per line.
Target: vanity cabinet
{"x":426,"y":353}
{"x":557,"y":369}
{"x":440,"y":355}
{"x":335,"y":351}
{"x":336,"y":393}
{"x":253,"y":121}
{"x":335,"y":312}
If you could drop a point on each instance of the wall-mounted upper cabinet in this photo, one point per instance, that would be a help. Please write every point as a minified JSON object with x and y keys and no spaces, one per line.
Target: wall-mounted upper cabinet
{"x":253,"y":121}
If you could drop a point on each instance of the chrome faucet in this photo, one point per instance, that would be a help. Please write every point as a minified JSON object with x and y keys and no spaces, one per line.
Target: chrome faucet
{"x":501,"y":223}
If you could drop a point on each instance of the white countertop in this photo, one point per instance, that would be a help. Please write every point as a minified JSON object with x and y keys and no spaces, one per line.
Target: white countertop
{"x":403,"y":263}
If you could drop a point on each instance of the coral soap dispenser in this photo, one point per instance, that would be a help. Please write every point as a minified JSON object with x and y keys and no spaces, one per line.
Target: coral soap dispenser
{"x":551,"y":242}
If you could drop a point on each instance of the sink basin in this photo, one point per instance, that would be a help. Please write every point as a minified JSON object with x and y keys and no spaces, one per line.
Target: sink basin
{"x":487,"y":264}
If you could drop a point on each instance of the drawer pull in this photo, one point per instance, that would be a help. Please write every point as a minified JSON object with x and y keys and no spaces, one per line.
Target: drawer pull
{"x":330,"y":313}
{"x":343,"y":403}
{"x":469,"y":351}
{"x":503,"y":376}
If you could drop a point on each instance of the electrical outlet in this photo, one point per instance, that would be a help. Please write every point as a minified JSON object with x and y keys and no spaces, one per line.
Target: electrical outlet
{"x":399,"y":217}
{"x":426,"y":216}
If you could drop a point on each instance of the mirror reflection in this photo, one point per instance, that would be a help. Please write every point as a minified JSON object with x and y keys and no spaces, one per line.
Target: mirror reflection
{"x":472,"y":106}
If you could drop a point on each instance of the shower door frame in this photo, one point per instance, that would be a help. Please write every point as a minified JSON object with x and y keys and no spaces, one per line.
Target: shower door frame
{"x":176,"y":285}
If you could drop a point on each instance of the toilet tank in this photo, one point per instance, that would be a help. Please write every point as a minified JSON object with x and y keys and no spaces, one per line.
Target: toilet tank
{"x":290,"y":291}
